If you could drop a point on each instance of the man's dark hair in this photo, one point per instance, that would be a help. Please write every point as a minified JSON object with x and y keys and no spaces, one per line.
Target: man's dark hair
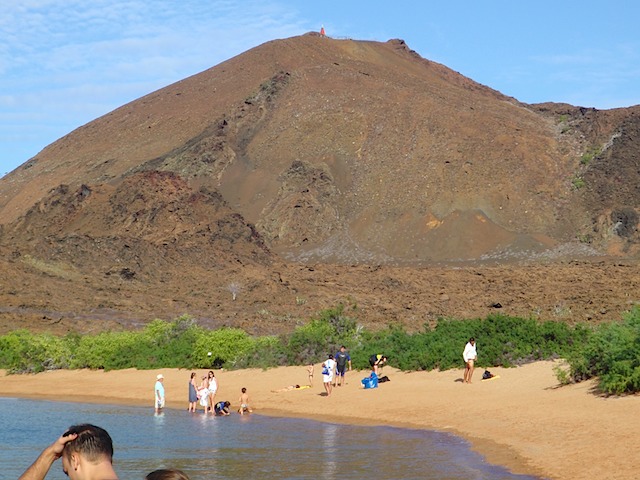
{"x":92,"y":442}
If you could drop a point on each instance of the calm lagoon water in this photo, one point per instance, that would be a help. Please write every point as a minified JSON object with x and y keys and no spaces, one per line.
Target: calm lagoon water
{"x":236,"y":447}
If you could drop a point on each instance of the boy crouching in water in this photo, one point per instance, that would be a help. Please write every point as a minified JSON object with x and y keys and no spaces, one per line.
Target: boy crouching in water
{"x":244,"y":402}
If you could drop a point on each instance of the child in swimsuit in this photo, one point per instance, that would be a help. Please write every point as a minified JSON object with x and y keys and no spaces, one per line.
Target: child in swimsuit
{"x":310,"y":372}
{"x":244,"y":402}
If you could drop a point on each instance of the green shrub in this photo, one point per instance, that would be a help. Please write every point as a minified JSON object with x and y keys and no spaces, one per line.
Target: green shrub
{"x":578,"y":183}
{"x":265,"y":352}
{"x":225,"y":346}
{"x":310,"y":342}
{"x":589,"y":155}
{"x":502,"y":341}
{"x":612,"y":354}
{"x":108,"y":351}
{"x":24,"y":352}
{"x":169,"y":344}
{"x":321,"y":336}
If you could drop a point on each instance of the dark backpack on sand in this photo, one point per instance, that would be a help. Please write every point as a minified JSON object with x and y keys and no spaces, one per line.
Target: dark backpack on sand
{"x":487,"y":375}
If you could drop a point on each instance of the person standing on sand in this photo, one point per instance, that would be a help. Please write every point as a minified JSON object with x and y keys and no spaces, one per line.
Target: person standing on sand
{"x":469,"y":355}
{"x":193,"y":393}
{"x":159,"y":392}
{"x":342,"y":359}
{"x":86,"y":451}
{"x":328,"y":368}
{"x":310,"y":373}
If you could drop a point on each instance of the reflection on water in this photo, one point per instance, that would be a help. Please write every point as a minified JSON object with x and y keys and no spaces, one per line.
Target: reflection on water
{"x":330,"y":452}
{"x":236,"y":447}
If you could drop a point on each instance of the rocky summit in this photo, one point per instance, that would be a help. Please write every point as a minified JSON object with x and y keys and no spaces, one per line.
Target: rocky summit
{"x":312,"y":171}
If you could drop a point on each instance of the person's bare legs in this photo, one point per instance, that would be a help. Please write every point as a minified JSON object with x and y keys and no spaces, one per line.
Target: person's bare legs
{"x":327,"y":387}
{"x":468,"y":371}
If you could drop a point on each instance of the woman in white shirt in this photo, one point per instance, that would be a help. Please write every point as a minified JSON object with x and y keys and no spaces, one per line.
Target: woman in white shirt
{"x":213,"y":388}
{"x":469,"y":355}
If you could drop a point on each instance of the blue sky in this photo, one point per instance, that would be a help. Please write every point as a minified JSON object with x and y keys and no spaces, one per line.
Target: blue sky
{"x":64,"y":63}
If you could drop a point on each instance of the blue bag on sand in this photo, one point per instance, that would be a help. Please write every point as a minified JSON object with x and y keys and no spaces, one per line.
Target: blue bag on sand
{"x":371,"y":381}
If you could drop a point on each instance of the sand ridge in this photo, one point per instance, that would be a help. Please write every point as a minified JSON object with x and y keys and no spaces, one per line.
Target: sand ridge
{"x":522,"y":420}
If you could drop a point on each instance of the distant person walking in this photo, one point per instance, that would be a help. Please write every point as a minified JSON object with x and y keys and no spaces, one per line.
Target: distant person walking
{"x":328,"y":368}
{"x":159,"y":392}
{"x":469,"y":356}
{"x":342,"y":360}
{"x":193,"y":393}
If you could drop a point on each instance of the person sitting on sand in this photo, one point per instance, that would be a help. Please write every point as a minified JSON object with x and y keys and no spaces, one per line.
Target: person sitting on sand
{"x":222,"y":408}
{"x":291,"y":387}
{"x":244,"y":402}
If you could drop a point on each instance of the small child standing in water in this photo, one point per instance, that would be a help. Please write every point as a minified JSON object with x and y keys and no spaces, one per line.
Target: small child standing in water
{"x":244,"y":402}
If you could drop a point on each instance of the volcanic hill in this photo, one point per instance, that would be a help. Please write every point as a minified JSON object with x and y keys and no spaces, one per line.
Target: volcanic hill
{"x":310,"y":171}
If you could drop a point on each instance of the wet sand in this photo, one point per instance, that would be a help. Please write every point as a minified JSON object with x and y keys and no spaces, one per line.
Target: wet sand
{"x":522,"y":420}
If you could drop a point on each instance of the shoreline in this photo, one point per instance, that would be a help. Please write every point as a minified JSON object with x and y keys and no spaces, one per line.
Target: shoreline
{"x":522,"y":420}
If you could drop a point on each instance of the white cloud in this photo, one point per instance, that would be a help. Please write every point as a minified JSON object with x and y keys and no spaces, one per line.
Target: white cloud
{"x":69,"y":61}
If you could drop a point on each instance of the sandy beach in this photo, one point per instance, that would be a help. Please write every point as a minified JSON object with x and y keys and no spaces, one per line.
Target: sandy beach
{"x":522,"y":420}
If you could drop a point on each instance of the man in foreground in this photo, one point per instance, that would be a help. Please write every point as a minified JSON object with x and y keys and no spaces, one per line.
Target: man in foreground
{"x":86,"y":451}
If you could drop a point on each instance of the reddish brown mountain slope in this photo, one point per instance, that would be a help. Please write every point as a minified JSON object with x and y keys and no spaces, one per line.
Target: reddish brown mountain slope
{"x":313,"y":151}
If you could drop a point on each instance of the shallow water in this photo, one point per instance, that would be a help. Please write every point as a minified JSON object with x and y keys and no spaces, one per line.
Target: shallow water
{"x":237,"y":446}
